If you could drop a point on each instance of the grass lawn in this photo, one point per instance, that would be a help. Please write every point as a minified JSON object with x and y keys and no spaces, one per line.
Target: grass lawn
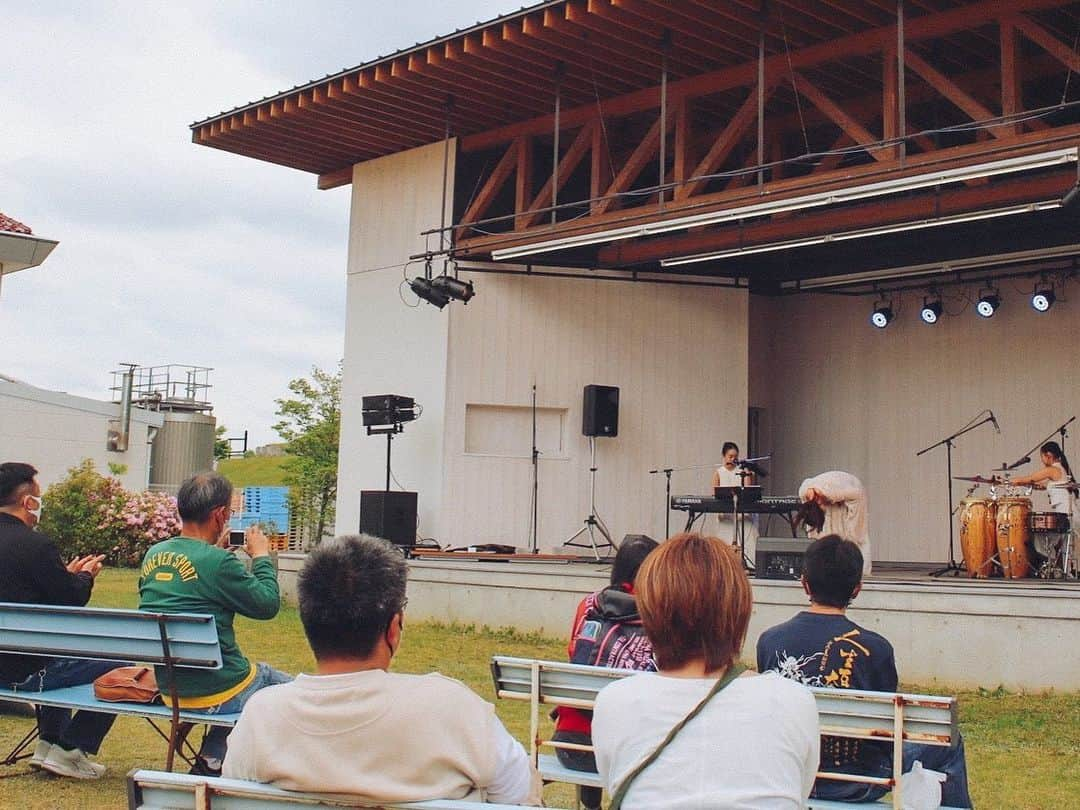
{"x":257,"y":471}
{"x":1023,"y":750}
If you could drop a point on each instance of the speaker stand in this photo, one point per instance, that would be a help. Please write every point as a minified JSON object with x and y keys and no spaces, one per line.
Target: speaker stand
{"x":593,"y":523}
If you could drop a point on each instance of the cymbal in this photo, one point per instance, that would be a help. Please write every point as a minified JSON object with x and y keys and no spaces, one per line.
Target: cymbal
{"x":977,"y":479}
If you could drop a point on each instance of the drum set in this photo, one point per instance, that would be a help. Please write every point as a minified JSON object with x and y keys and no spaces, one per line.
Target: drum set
{"x":1002,"y":536}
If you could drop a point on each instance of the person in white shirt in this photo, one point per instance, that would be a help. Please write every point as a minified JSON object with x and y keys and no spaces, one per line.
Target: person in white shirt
{"x":754,"y":744}
{"x":356,"y":729}
{"x":835,"y":502}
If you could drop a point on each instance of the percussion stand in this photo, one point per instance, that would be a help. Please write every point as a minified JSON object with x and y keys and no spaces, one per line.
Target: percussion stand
{"x":948,"y":442}
{"x":740,"y":526}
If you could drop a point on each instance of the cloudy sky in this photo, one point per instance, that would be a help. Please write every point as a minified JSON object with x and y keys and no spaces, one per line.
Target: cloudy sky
{"x":169,"y":252}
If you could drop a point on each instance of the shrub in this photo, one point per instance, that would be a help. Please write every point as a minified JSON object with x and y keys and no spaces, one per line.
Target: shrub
{"x":91,"y":513}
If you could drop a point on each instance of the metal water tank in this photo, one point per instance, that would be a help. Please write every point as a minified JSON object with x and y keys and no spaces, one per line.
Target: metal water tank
{"x":183,"y":446}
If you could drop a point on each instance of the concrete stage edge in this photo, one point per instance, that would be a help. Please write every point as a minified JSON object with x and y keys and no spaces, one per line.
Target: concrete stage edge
{"x":1023,"y":634}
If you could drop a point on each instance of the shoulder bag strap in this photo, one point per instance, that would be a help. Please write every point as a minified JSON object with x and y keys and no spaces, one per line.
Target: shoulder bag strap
{"x":620,"y":792}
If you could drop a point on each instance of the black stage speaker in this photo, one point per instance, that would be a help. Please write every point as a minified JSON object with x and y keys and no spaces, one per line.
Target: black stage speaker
{"x":390,"y":515}
{"x":600,"y":411}
{"x":779,"y":557}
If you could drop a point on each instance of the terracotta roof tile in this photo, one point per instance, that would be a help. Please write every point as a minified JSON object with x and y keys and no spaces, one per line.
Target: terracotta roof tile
{"x":12,"y":225}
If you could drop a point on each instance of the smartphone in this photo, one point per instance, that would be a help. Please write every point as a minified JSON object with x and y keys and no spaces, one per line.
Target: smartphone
{"x":236,"y":538}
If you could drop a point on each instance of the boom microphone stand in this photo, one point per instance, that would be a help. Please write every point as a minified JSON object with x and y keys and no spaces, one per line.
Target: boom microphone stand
{"x":948,"y":442}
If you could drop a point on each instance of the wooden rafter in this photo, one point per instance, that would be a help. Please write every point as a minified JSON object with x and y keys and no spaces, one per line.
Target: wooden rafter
{"x":1047,"y":41}
{"x":495,"y":182}
{"x":567,"y":164}
{"x":728,"y":139}
{"x":948,"y":88}
{"x":644,"y":152}
{"x":860,"y":134}
{"x":523,"y":178}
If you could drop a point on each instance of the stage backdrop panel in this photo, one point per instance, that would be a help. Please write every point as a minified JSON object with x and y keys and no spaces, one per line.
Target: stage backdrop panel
{"x":678,"y":356}
{"x":840,"y":394}
{"x":392,"y":348}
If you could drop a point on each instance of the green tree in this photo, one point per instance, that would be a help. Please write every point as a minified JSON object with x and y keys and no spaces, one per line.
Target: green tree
{"x":310,"y":426}
{"x":222,"y":448}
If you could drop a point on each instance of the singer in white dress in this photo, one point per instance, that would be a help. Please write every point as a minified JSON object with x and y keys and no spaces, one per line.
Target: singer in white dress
{"x":727,"y":475}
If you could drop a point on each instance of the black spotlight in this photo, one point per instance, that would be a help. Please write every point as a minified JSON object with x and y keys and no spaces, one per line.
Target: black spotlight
{"x":455,"y":288}
{"x":1042,"y":299}
{"x":988,"y":304}
{"x":426,"y":289}
{"x":931,"y":310}
{"x":882,"y":315}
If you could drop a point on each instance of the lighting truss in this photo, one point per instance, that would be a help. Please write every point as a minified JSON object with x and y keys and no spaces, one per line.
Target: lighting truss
{"x":816,"y":200}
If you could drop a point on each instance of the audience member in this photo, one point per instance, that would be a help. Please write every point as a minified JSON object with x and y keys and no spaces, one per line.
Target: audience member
{"x":702,"y":732}
{"x":195,"y":573}
{"x":33,"y":572}
{"x":607,"y":632}
{"x":822,"y":647}
{"x":355,"y":728}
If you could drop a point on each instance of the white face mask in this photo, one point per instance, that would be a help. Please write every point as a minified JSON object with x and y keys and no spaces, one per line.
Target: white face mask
{"x":36,"y":512}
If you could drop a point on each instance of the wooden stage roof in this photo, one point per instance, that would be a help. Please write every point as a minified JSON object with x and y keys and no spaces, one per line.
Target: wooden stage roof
{"x":576,"y":116}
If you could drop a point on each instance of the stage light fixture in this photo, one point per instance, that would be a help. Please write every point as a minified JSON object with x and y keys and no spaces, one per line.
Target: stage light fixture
{"x":1043,"y":298}
{"x":882,"y":315}
{"x":988,"y":304}
{"x":426,"y":289}
{"x":931,"y":310}
{"x":454,"y":288}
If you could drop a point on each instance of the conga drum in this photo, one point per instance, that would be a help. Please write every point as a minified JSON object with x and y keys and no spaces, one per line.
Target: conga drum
{"x":978,"y":535}
{"x":1013,"y":536}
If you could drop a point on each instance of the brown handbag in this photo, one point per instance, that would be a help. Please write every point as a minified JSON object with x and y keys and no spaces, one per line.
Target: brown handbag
{"x":127,"y":684}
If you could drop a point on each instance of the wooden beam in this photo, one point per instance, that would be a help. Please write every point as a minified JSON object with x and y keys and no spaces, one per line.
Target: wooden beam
{"x":722,"y":148}
{"x":681,"y":162}
{"x":890,"y":97}
{"x":948,"y":88}
{"x":336,"y":178}
{"x":567,"y":164}
{"x":868,"y":214}
{"x":600,"y":170}
{"x":638,"y":160}
{"x":864,"y":43}
{"x":860,"y":134}
{"x":1012,"y":82}
{"x":499,"y":175}
{"x":1047,"y":41}
{"x":523,"y":179}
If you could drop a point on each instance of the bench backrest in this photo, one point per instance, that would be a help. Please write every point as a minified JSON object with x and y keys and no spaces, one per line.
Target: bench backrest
{"x":157,"y":790}
{"x":110,"y":635}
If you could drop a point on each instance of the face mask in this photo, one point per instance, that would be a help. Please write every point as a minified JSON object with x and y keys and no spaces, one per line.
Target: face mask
{"x":36,"y":512}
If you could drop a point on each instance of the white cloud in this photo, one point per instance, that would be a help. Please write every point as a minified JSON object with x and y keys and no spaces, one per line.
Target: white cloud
{"x":169,"y":252}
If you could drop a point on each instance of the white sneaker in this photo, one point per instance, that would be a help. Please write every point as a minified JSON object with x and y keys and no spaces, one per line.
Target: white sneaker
{"x":41,"y":751}
{"x":72,"y":763}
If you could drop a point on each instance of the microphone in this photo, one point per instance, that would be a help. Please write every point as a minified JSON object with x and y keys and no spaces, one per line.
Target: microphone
{"x":993,"y":419}
{"x":1020,"y":463}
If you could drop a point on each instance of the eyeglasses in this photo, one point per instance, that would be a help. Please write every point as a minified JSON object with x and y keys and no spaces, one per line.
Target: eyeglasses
{"x":404,"y":605}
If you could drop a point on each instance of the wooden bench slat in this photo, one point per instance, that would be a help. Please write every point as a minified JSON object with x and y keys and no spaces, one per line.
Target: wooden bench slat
{"x":158,"y":790}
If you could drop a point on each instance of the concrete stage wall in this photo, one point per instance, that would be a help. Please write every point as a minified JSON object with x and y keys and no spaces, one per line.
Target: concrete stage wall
{"x":955,"y":632}
{"x":841,"y":395}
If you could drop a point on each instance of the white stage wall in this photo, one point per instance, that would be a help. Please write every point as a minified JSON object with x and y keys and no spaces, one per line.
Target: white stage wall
{"x":839,"y":394}
{"x":391,"y":348}
{"x":678,"y":355}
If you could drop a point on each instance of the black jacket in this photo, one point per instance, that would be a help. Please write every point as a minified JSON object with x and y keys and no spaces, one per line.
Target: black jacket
{"x":31,"y":571}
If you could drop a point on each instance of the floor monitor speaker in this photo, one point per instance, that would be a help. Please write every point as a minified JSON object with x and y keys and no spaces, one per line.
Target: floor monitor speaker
{"x":390,"y":515}
{"x":779,"y":557}
{"x":600,"y":411}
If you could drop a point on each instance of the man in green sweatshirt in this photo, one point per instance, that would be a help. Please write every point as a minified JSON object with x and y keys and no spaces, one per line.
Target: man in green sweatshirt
{"x":197,"y":573}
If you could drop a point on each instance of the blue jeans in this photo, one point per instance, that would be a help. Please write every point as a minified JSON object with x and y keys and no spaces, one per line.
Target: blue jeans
{"x":216,"y":741}
{"x":85,"y":730}
{"x":950,"y":761}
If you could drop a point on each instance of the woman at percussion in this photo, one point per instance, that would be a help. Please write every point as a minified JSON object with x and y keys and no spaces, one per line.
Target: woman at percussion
{"x":728,"y":474}
{"x":1055,"y":477}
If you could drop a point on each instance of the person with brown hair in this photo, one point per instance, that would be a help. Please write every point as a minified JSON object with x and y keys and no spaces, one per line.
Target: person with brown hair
{"x":702,"y":732}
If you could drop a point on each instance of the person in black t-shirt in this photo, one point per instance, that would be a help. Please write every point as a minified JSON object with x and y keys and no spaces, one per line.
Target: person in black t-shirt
{"x":823,"y":647}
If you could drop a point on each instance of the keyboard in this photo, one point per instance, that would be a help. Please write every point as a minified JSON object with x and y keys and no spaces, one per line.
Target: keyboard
{"x":766,"y":505}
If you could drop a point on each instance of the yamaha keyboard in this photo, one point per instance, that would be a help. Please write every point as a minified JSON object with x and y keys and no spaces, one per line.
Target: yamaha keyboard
{"x":697,"y":505}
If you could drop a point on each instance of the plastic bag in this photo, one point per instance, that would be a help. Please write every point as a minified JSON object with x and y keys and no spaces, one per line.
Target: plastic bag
{"x":920,"y":788}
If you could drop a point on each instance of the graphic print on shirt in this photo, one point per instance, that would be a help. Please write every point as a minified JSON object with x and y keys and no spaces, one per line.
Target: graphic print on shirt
{"x":804,"y":670}
{"x":165,"y":565}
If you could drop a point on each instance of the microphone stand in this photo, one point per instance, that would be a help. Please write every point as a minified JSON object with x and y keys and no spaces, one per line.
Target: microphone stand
{"x":948,"y":442}
{"x":667,"y":471}
{"x":534,"y":545}
{"x":1027,"y":456}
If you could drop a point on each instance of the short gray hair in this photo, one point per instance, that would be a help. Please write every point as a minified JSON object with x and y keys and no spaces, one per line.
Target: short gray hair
{"x":350,"y":589}
{"x":202,"y":494}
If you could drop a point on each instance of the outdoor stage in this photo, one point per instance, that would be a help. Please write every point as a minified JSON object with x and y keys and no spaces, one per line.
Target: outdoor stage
{"x":1020,"y":634}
